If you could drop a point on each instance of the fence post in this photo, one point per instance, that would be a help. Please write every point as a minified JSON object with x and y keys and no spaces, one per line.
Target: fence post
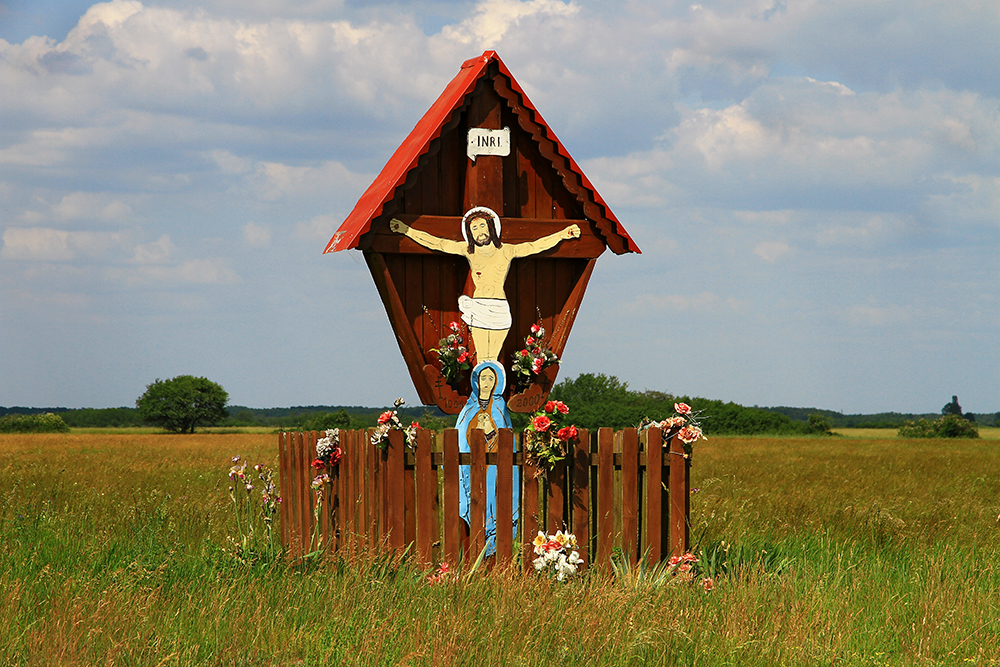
{"x":580,"y":503}
{"x":393,"y":498}
{"x":680,"y":497}
{"x":605,"y":537}
{"x":630,"y":494}
{"x":425,"y":487}
{"x":505,"y":493}
{"x":652,"y":441}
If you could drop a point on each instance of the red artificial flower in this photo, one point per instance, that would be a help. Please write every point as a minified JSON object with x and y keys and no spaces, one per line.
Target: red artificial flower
{"x":541,"y":423}
{"x":385,"y":417}
{"x":682,"y":408}
{"x":536,"y":367}
{"x":535,"y":329}
{"x":550,"y":407}
{"x":530,"y":340}
{"x":414,"y":424}
{"x":566,"y":433}
{"x":319,"y":464}
{"x":562,"y":407}
{"x":552,"y":545}
{"x":454,"y":326}
{"x":335,"y":455}
{"x":463,"y":357}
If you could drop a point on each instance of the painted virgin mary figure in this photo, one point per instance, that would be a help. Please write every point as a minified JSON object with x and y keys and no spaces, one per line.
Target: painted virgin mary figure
{"x":487,"y":411}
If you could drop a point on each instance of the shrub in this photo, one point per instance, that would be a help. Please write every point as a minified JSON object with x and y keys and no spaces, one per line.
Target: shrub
{"x":948,"y":426}
{"x":39,"y":423}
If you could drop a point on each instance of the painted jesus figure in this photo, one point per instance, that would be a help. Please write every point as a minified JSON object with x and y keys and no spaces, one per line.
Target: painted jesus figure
{"x":486,"y":312}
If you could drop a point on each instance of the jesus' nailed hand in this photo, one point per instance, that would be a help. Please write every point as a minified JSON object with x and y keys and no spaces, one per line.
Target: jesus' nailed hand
{"x":486,"y":312}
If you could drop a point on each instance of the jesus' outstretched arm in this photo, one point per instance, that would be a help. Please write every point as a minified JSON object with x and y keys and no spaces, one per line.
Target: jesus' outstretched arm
{"x":546,"y":242}
{"x":427,"y":240}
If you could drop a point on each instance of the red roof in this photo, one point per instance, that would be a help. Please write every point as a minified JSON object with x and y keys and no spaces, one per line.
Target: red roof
{"x":418,"y":142}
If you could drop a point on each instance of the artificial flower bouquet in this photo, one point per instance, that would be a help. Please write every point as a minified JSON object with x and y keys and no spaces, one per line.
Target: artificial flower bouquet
{"x":557,"y":554}
{"x":684,"y":423}
{"x":388,"y":421}
{"x":545,"y":441}
{"x":533,"y":359}
{"x":454,"y":356}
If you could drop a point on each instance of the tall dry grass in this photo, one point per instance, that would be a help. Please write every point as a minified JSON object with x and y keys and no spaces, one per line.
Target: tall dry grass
{"x":829,"y":551}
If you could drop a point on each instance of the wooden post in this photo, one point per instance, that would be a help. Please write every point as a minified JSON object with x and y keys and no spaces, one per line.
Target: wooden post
{"x":630,"y":494}
{"x":425,"y":483}
{"x":652,"y":442}
{"x":505,"y":492}
{"x":580,"y":512}
{"x":530,"y":519}
{"x":680,"y":497}
{"x":605,"y":537}
{"x":477,"y":495}
{"x":452,"y":522}
{"x":393,"y":496}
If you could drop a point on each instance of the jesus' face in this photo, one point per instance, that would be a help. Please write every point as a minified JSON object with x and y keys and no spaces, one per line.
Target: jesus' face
{"x":479,"y":231}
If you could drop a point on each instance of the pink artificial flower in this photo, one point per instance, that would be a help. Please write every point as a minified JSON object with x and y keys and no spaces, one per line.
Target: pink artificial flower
{"x":674,"y":560}
{"x":708,"y":584}
{"x":689,"y":558}
{"x":541,"y":423}
{"x":689,"y":434}
{"x":562,"y":407}
{"x":682,"y":408}
{"x":385,"y":417}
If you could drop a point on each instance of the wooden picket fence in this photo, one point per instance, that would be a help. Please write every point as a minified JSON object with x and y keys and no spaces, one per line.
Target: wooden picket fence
{"x":618,"y":490}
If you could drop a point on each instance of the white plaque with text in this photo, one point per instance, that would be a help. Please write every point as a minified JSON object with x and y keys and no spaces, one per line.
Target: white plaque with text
{"x":488,"y":142}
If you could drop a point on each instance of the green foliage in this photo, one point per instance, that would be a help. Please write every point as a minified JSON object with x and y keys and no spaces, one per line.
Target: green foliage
{"x":328,"y":420}
{"x":39,"y":423}
{"x":819,"y":424}
{"x":102,"y":417}
{"x":601,"y":400}
{"x":952,"y":408}
{"x":948,"y":426}
{"x":183,"y":402}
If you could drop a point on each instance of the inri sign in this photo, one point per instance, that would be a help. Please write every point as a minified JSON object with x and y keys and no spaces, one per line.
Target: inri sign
{"x":488,"y":142}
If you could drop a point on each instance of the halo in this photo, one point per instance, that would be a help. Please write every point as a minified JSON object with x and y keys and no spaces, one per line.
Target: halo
{"x":480,"y":209}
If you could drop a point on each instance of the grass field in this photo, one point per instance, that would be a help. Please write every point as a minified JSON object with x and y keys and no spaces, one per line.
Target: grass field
{"x":853,"y":551}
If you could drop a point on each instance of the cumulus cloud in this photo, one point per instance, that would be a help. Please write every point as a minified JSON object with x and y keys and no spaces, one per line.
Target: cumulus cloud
{"x":55,"y":245}
{"x":771,"y":251}
{"x":258,"y":236}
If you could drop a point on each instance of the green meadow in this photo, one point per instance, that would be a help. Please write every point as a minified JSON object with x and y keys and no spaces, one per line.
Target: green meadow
{"x":860,"y":550}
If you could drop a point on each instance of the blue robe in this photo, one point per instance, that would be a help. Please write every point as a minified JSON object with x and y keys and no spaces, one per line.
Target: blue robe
{"x":495,"y":408}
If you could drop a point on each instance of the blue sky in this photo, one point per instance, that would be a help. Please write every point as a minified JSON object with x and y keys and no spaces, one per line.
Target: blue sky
{"x":815,"y":187}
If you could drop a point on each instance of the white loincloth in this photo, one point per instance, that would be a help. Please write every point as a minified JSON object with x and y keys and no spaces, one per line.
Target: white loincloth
{"x":493,"y":314}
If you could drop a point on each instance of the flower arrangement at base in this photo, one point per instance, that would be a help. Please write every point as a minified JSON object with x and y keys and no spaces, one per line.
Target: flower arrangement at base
{"x":442,"y":575}
{"x":454,"y":356}
{"x":545,"y":441}
{"x":388,"y":421}
{"x":557,"y":554}
{"x":684,"y":424}
{"x":533,"y":359}
{"x":684,"y":568}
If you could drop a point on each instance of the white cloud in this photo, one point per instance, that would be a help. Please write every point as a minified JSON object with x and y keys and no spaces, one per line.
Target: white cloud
{"x":88,"y":207}
{"x":55,"y":245}
{"x":492,"y":19}
{"x":158,"y":252}
{"x":191,"y":272}
{"x":258,"y":236}
{"x":771,"y":251}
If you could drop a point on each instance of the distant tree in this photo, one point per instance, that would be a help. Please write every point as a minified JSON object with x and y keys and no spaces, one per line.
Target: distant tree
{"x":952,"y":408}
{"x":183,"y":402}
